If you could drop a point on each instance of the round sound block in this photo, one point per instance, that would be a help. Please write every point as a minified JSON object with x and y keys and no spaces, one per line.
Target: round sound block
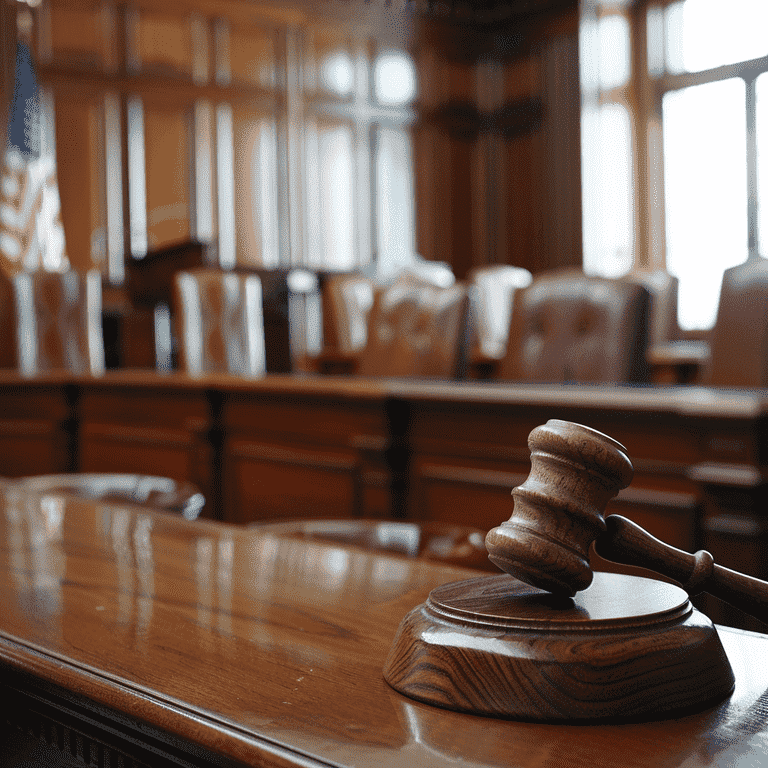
{"x":626,"y":648}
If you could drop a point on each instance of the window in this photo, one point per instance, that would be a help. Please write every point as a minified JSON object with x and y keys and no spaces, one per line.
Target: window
{"x":285,"y":142}
{"x":681,"y":142}
{"x":606,"y":134}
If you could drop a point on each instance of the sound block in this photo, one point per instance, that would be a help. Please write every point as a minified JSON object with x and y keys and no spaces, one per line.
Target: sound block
{"x":626,"y":648}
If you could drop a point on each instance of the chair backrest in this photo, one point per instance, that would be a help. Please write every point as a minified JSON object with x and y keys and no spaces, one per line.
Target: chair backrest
{"x":221,"y":325}
{"x":416,"y":329}
{"x":347,"y":302}
{"x":570,"y":327}
{"x":663,"y":289}
{"x":58,"y":322}
{"x":147,"y":490}
{"x":430,"y":540}
{"x":739,"y":339}
{"x":493,"y":288}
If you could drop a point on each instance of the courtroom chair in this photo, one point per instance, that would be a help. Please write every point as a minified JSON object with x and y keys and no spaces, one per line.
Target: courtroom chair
{"x":221,"y":326}
{"x":146,"y":324}
{"x":437,"y":273}
{"x":664,"y":290}
{"x":671,"y":358}
{"x":347,"y":303}
{"x":162,"y":493}
{"x":430,"y":540}
{"x":492,"y":290}
{"x":58,"y":322}
{"x":739,"y":338}
{"x":347,"y":300}
{"x":416,"y":329}
{"x":571,"y":327}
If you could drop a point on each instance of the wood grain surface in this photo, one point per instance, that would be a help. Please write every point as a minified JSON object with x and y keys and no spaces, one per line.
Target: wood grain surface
{"x":270,"y":651}
{"x":558,"y":511}
{"x":626,"y":648}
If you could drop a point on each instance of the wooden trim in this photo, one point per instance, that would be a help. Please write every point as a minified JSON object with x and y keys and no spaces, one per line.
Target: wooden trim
{"x":744,"y":526}
{"x":467,"y":476}
{"x":654,"y":498}
{"x":735,"y":475}
{"x":29,"y":427}
{"x":144,"y":435}
{"x":247,"y":450}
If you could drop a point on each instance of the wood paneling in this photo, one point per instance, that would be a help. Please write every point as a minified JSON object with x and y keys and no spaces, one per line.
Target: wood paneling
{"x":288,"y":446}
{"x":322,"y":454}
{"x":168,"y":154}
{"x":80,"y":156}
{"x":495,"y":150}
{"x":37,"y":431}
{"x":149,"y":430}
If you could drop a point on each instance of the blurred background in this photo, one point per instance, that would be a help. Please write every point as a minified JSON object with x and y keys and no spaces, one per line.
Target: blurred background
{"x":338,"y":136}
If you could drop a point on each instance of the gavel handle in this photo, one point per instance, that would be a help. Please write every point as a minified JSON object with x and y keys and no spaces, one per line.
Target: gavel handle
{"x":627,"y":543}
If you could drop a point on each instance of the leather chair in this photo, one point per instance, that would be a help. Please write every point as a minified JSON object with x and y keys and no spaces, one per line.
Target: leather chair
{"x":739,"y":338}
{"x":182,"y":498}
{"x":442,"y":542}
{"x":662,"y":315}
{"x":347,"y":302}
{"x":492,"y":290}
{"x":570,"y":327}
{"x":416,"y":329}
{"x":58,"y":322}
{"x":221,"y":326}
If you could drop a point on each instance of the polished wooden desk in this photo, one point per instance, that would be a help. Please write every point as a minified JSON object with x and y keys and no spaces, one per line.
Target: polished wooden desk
{"x":129,"y":635}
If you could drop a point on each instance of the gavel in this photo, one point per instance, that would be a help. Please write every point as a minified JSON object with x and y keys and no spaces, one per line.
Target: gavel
{"x":559,"y":512}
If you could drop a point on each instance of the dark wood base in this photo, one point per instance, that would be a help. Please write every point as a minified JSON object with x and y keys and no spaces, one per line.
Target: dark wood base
{"x":626,"y":648}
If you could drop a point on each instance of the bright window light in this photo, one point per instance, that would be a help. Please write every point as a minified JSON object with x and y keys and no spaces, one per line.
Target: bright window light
{"x":607,"y":190}
{"x":703,"y":34}
{"x":337,"y":73}
{"x":613,"y":36}
{"x":705,"y":184}
{"x":394,"y":78}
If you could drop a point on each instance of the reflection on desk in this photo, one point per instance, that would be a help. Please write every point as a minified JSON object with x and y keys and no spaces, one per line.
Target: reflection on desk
{"x":130,"y":633}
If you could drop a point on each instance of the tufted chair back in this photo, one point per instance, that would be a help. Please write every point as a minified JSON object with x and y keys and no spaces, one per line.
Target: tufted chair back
{"x":570,"y":327}
{"x":58,"y":322}
{"x":416,"y":329}
{"x":221,"y":322}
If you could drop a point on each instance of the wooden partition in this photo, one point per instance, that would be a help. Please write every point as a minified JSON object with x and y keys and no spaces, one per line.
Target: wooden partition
{"x":146,"y":426}
{"x":286,"y":446}
{"x":308,"y":448}
{"x":37,"y":426}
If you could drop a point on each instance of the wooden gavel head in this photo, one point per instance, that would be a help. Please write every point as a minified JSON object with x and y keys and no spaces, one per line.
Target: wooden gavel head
{"x":559,"y":510}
